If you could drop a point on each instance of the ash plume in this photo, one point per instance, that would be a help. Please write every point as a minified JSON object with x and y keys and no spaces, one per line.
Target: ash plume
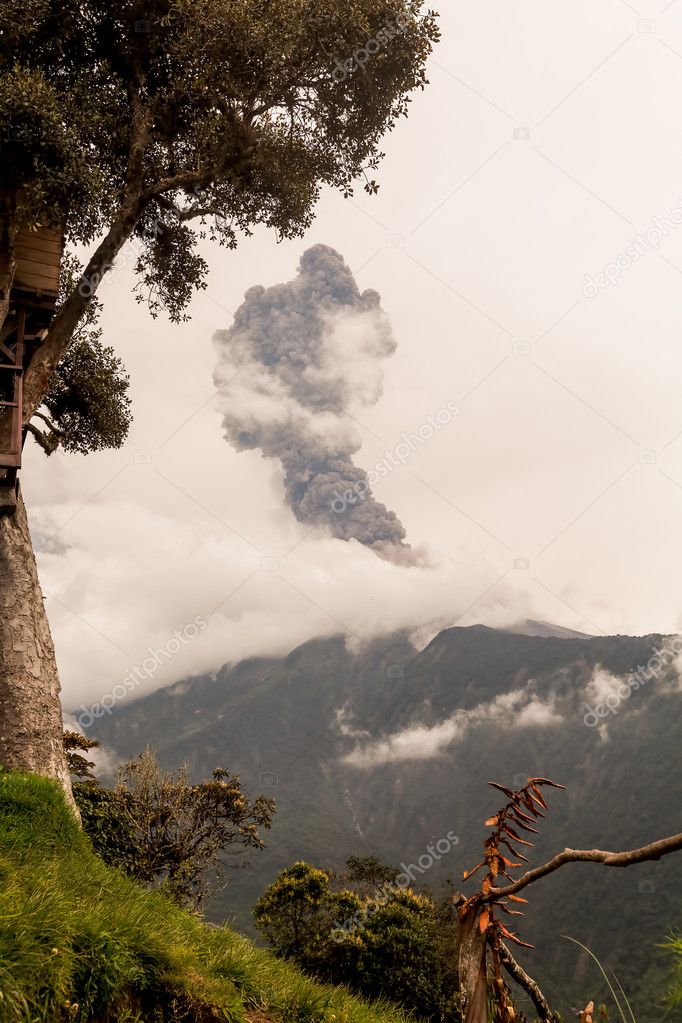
{"x":298,"y":361}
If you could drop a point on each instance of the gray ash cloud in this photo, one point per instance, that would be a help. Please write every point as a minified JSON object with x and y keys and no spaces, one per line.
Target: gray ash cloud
{"x":299,"y":360}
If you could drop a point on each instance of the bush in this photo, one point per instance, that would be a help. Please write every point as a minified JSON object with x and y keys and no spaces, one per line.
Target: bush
{"x":168,"y":833}
{"x":386,"y":942}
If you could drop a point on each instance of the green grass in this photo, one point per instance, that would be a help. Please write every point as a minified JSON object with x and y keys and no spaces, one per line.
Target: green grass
{"x":675,"y":947}
{"x":81,"y":942}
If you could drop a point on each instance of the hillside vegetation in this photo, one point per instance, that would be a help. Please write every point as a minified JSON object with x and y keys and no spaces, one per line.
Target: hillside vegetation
{"x":79,"y":941}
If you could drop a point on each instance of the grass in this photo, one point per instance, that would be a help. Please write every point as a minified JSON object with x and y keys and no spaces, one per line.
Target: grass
{"x":80,"y":941}
{"x":630,"y":1018}
{"x":675,"y":947}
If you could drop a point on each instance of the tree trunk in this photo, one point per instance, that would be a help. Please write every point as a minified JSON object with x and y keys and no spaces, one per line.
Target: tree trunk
{"x":30,"y":710}
{"x":473,"y":981}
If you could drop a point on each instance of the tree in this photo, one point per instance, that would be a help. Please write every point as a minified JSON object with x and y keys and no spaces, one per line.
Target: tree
{"x":77,"y":764}
{"x":294,"y":912}
{"x":482,"y":950}
{"x":87,"y":404}
{"x":169,"y":833}
{"x":366,"y":874}
{"x":159,"y":125}
{"x":384,"y":942}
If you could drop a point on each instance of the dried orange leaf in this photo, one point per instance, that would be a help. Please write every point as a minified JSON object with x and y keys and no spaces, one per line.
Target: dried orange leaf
{"x":517,"y":838}
{"x":546,"y":781}
{"x":502,"y":788}
{"x":469,"y":873}
{"x":510,"y":863}
{"x":514,"y":937}
{"x":537,"y":793}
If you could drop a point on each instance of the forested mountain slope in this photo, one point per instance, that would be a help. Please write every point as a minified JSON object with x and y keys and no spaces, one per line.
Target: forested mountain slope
{"x":385,"y":749}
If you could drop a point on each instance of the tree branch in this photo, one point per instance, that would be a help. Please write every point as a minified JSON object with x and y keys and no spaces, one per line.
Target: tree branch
{"x":654,"y":851}
{"x":48,"y":442}
{"x":184,"y":179}
{"x":48,"y":422}
{"x":189,"y":212}
{"x":517,"y":972}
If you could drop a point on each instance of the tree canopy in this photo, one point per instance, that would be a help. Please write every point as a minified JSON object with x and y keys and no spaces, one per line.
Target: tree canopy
{"x":176,"y":120}
{"x":365,"y":930}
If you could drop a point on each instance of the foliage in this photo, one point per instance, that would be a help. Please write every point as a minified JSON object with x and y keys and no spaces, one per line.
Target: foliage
{"x":141,"y":119}
{"x":87,"y":407}
{"x":391,"y":945}
{"x":674,"y":946}
{"x":43,"y":171}
{"x":78,"y":766}
{"x":168,"y":833}
{"x":88,"y":402}
{"x":366,"y":873}
{"x":80,"y":941}
{"x":291,"y":913}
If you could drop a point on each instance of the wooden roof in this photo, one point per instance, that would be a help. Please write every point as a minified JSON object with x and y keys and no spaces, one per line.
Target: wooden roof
{"x":38,"y":253}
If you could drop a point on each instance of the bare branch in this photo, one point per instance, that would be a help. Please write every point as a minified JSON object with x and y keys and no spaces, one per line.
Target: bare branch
{"x":654,"y":851}
{"x":517,"y":972}
{"x":182,"y":180}
{"x":48,"y":422}
{"x":189,"y":212}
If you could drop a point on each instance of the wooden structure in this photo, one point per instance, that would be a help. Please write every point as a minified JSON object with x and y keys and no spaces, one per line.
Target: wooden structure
{"x":33,"y":298}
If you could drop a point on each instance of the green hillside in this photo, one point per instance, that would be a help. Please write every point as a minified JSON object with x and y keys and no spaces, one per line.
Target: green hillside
{"x":288,"y":724}
{"x":80,"y":942}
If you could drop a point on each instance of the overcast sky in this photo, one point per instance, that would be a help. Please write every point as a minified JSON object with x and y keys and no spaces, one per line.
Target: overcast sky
{"x":550,"y":137}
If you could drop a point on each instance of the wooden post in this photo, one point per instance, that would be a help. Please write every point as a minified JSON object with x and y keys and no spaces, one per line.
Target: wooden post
{"x":10,"y":459}
{"x":17,"y":439}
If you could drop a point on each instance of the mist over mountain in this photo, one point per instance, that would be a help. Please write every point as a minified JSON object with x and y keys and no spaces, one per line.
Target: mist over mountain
{"x":384,"y":749}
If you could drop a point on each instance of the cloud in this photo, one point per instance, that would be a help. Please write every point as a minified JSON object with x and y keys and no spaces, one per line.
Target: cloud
{"x":420,"y":742}
{"x":161,"y":566}
{"x":603,"y":684}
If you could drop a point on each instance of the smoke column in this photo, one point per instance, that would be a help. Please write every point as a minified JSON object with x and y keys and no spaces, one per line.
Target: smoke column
{"x":298,"y":361}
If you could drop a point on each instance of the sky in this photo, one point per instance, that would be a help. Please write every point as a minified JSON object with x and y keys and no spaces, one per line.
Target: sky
{"x":527,"y":247}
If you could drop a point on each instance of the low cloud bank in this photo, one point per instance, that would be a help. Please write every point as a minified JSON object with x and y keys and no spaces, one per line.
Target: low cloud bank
{"x":516,"y":709}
